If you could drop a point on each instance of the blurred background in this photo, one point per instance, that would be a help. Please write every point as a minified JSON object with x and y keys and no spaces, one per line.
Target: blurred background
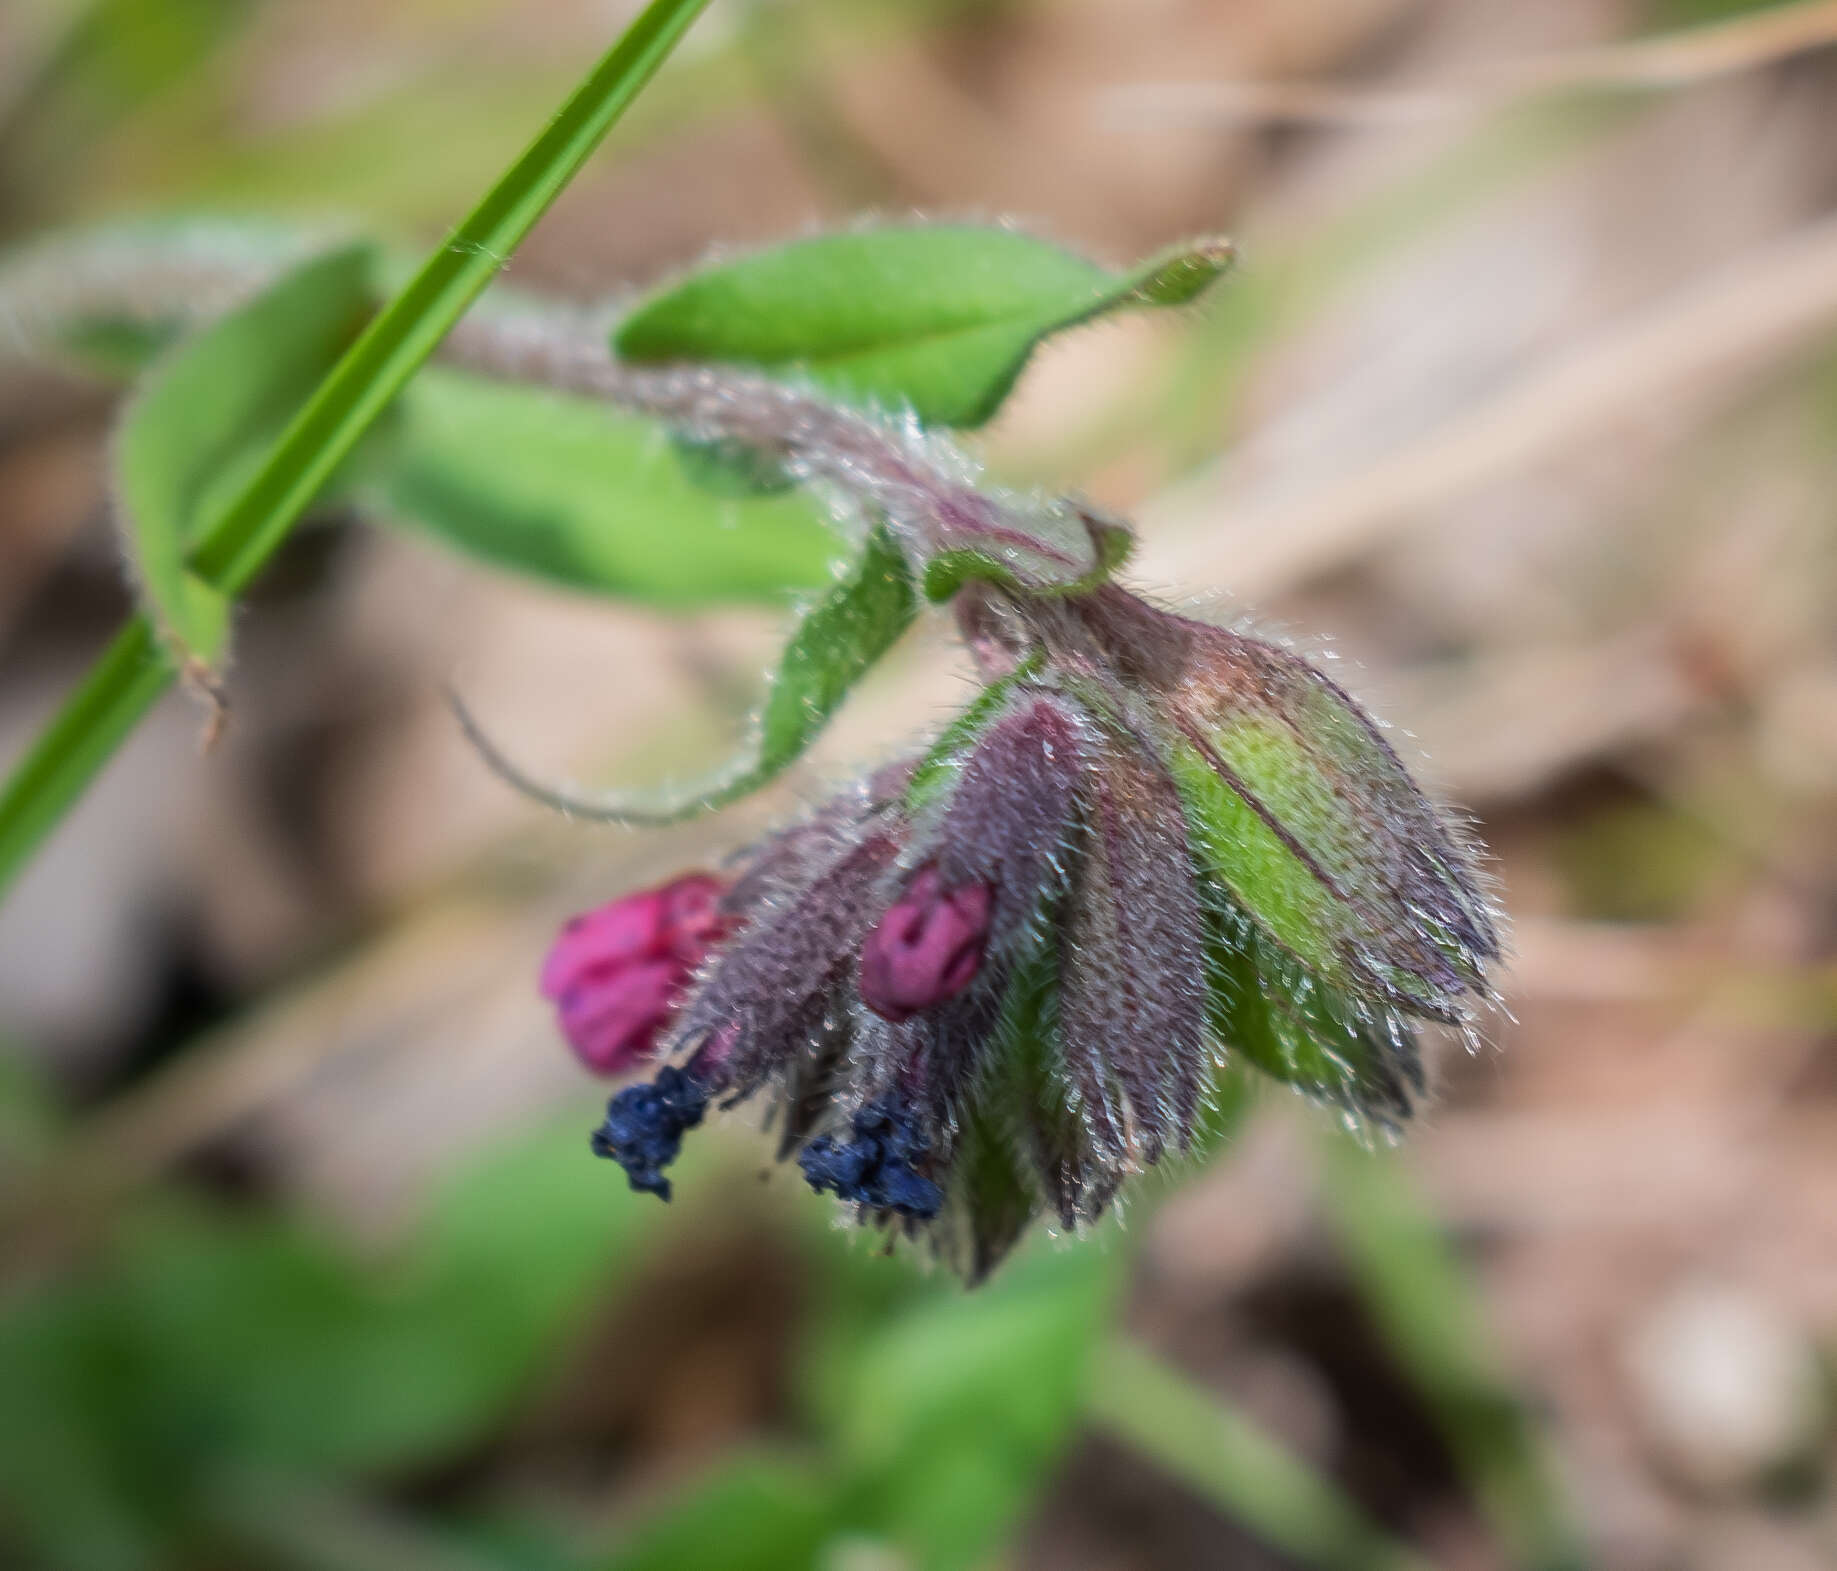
{"x":1523,"y":401}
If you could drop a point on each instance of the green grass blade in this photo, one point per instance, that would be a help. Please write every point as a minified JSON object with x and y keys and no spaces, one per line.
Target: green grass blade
{"x":1228,"y":1461}
{"x":124,"y":684}
{"x":1424,"y":1304}
{"x":120,"y":687}
{"x":400,"y":340}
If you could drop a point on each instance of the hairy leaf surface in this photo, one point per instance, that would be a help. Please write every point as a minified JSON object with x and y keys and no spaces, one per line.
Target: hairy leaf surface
{"x":938,"y":319}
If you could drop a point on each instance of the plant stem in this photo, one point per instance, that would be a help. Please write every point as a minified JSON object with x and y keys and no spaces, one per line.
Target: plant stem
{"x":123,"y":685}
{"x":1225,"y":1458}
{"x":96,"y":719}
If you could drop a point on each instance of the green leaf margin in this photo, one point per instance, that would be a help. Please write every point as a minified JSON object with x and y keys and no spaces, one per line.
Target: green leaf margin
{"x":210,"y":410}
{"x":938,"y":320}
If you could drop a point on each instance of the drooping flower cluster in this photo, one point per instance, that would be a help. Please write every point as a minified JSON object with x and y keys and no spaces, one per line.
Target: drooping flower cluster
{"x":1006,"y":974}
{"x":1017,"y":968}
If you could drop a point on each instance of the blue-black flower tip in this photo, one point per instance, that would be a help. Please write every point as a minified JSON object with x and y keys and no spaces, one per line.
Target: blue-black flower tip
{"x":645,"y":1124}
{"x":875,"y":1169}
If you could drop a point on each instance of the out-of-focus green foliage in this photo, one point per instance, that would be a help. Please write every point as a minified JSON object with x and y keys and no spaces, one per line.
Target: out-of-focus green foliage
{"x":196,"y":1346}
{"x":1640,"y":862}
{"x":110,"y":58}
{"x":957,"y":1407}
{"x":1421,"y":1297}
{"x":207,"y":1376}
{"x":114,"y":55}
{"x":586,"y":497}
{"x":1153,"y":1408}
{"x":755,"y":1513}
{"x":939,"y":1418}
{"x":1683,"y":13}
{"x":194,"y":1340}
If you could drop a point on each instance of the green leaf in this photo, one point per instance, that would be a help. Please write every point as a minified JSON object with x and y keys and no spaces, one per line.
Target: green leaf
{"x":522,"y":1241}
{"x":119,"y":349}
{"x":755,"y":1513}
{"x":89,"y":1484}
{"x":839,"y":638}
{"x":270,"y":1345}
{"x":269,"y":1517}
{"x":208,"y":414}
{"x":962,"y":1405}
{"x":126,"y":681}
{"x":856,"y":623}
{"x":31,"y":1120}
{"x":263,"y":1343}
{"x":593,"y":499}
{"x":1685,"y":13}
{"x":196,"y":1342}
{"x":936,"y":319}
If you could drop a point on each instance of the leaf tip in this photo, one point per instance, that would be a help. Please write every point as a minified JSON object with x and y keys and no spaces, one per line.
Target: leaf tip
{"x":1180,"y":276}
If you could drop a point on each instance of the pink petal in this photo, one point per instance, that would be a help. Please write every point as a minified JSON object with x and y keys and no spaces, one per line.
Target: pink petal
{"x":609,"y":936}
{"x":615,"y":1022}
{"x":926,"y":949}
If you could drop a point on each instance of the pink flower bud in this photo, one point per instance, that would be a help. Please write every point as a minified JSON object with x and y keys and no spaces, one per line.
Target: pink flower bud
{"x":618,"y":972}
{"x":927,"y":947}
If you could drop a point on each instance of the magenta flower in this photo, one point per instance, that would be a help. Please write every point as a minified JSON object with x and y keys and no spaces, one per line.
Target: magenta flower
{"x":926,"y":949}
{"x":617,"y":973}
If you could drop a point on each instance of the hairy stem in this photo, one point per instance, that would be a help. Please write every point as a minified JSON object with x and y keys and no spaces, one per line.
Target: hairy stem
{"x":924,"y":487}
